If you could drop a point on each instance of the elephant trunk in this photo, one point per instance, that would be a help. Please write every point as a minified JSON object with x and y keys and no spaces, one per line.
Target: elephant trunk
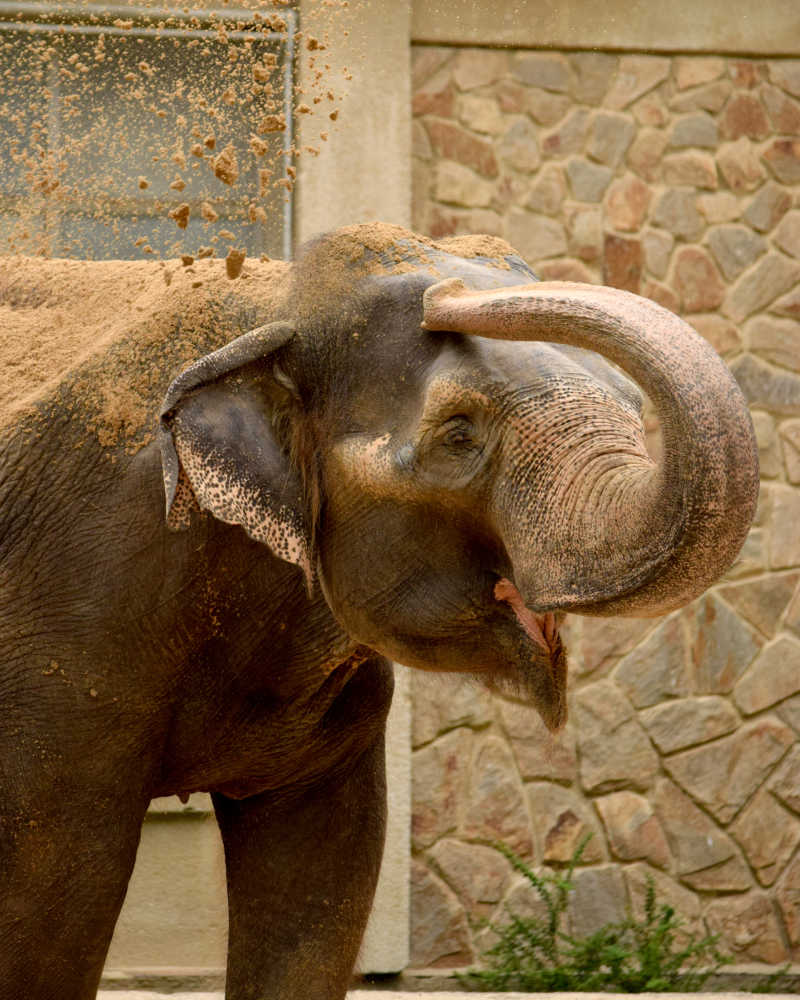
{"x":646,"y":539}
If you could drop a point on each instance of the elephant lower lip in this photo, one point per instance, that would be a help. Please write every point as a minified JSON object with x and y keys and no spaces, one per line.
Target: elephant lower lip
{"x":540,"y":629}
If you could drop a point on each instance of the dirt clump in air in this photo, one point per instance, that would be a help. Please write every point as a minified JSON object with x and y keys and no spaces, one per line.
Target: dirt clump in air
{"x":180,"y":215}
{"x":234,"y":262}
{"x":225,"y":166}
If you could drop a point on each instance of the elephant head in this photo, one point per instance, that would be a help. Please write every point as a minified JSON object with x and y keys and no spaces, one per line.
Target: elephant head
{"x":450,"y":452}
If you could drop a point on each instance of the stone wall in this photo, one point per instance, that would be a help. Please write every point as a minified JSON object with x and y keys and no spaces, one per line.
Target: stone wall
{"x":678,"y":178}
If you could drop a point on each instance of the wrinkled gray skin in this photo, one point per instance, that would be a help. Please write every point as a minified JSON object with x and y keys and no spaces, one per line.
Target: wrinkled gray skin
{"x":375,"y":489}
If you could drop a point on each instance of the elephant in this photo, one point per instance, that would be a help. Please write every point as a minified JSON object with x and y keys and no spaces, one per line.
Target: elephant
{"x":228,"y":507}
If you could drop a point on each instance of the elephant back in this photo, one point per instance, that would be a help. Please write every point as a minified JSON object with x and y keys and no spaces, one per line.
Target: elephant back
{"x":104,"y":338}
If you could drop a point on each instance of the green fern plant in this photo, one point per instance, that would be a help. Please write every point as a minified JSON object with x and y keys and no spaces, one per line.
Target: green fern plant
{"x":635,"y":955}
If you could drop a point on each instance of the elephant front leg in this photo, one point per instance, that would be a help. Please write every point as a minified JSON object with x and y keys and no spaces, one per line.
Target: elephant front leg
{"x":63,"y":875}
{"x":301,"y":874}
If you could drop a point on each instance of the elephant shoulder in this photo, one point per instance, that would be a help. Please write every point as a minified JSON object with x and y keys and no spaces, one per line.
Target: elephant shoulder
{"x":103,"y":339}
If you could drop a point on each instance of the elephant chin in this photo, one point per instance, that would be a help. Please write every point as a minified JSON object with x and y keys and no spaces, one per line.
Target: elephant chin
{"x":539,"y":682}
{"x":540,"y":668}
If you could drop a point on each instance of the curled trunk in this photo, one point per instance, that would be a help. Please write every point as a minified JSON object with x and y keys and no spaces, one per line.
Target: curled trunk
{"x":672,"y":529}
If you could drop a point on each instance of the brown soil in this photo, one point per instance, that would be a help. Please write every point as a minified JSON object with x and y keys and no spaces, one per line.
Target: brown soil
{"x":105,"y":338}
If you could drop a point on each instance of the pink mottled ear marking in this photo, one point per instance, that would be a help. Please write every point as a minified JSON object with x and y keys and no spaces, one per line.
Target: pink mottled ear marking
{"x":231,"y":494}
{"x":179,"y":516}
{"x":219,"y":452}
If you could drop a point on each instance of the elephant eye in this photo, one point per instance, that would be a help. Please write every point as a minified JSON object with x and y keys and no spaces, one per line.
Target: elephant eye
{"x":458,"y":430}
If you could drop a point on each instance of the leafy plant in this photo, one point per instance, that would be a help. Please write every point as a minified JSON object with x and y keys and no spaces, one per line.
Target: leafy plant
{"x":634,"y":955}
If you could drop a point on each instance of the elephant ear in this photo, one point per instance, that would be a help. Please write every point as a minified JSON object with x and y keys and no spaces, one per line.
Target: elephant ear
{"x":219,"y":450}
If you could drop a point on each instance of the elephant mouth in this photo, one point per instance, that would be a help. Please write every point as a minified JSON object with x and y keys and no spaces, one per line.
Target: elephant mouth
{"x":540,"y":629}
{"x":540,"y":679}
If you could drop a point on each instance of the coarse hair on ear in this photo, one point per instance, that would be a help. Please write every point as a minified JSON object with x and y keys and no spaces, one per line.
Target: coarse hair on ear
{"x":220,"y":451}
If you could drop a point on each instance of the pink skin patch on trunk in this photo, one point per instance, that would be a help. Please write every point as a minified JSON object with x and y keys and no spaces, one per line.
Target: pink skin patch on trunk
{"x":540,"y":629}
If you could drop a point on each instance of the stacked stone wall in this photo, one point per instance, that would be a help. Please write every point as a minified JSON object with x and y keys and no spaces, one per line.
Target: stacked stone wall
{"x":678,"y":178}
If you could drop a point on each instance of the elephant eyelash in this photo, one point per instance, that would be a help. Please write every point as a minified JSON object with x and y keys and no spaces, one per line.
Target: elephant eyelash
{"x":458,"y":430}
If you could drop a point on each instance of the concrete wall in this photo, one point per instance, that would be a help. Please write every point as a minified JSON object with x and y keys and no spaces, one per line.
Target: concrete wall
{"x":677,"y":178}
{"x":768,"y":28}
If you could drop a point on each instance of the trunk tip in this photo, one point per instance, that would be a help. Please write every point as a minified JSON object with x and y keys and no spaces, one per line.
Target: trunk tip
{"x":435,"y":295}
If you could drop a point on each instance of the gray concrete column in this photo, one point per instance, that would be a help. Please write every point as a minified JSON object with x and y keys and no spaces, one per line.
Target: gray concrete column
{"x":386,"y":943}
{"x":363,"y":171}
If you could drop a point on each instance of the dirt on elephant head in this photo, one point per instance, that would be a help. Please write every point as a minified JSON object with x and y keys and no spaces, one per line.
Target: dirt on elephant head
{"x":105,"y":338}
{"x":331,"y":266}
{"x":379,"y":248}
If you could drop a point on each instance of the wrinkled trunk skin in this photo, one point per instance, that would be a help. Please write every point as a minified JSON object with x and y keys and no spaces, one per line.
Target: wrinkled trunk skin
{"x":602,"y":530}
{"x":574,"y":469}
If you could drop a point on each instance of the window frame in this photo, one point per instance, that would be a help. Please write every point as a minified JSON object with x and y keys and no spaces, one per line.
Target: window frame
{"x":29,"y":16}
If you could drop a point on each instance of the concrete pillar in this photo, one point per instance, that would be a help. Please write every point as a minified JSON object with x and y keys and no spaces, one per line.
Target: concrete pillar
{"x":175,"y":916}
{"x":386,"y":942}
{"x":363,"y":171}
